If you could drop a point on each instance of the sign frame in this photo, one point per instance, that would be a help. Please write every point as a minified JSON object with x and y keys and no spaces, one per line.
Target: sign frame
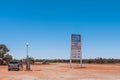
{"x":75,"y":48}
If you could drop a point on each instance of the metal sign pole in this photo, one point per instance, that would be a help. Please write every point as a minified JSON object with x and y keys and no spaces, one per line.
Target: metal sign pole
{"x":81,"y":59}
{"x":70,"y":63}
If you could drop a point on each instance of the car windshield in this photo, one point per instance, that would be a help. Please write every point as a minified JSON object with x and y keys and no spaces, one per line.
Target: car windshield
{"x":13,"y":62}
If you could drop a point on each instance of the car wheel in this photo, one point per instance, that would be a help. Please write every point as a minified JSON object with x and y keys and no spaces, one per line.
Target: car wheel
{"x":8,"y":69}
{"x":18,"y":68}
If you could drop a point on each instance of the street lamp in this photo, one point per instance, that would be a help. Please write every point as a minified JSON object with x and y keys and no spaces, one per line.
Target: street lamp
{"x":27,"y":58}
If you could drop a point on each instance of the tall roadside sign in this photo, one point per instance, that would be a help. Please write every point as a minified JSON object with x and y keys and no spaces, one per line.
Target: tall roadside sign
{"x":76,"y":50}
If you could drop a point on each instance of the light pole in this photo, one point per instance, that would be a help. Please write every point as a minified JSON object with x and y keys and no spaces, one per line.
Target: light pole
{"x":27,"y":58}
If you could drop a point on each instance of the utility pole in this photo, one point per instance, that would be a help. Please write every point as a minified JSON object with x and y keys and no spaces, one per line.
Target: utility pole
{"x":27,"y":58}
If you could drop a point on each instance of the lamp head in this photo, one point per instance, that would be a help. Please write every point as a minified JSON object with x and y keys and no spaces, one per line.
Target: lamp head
{"x":27,"y":44}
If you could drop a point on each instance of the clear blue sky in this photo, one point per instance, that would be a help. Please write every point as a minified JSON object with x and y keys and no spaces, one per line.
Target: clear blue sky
{"x":47,"y":25}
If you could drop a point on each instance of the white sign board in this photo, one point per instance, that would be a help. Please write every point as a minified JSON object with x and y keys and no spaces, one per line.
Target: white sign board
{"x":75,"y":46}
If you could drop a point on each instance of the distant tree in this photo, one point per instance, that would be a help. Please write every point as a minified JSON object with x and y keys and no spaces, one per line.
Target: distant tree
{"x":7,"y":58}
{"x":3,"y":51}
{"x":31,"y":60}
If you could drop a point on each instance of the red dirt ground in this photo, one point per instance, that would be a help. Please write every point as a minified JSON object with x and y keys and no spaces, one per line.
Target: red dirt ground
{"x":62,"y":71}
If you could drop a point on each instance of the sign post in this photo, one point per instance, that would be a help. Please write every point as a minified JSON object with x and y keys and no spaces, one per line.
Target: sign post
{"x":76,"y":51}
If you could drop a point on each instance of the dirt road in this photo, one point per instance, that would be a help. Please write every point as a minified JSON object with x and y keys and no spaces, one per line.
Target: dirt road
{"x":62,"y":71}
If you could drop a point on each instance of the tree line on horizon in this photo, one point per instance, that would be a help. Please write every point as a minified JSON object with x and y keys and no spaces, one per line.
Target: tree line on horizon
{"x":85,"y":61}
{"x":89,"y":61}
{"x":6,"y":58}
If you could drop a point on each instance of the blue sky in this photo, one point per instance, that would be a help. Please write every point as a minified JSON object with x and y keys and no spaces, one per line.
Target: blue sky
{"x":47,"y":25}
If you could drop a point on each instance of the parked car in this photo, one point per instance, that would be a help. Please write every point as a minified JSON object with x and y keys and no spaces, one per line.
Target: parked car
{"x":13,"y":65}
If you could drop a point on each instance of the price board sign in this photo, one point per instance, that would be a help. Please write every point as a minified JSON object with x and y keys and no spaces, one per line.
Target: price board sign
{"x":76,"y":51}
{"x":75,"y":46}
